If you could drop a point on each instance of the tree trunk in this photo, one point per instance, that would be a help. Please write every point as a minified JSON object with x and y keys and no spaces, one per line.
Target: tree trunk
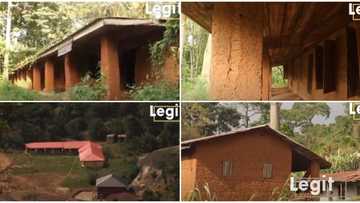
{"x":7,"y":42}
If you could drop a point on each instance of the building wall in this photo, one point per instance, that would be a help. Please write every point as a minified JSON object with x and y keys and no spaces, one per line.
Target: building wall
{"x":188,"y":175}
{"x":93,"y":164}
{"x":237,"y":48}
{"x":248,"y":154}
{"x":142,"y":65}
{"x":298,"y":74}
{"x":351,"y":192}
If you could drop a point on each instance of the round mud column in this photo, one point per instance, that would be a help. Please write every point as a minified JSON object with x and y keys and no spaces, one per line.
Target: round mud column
{"x":49,"y":76}
{"x":36,"y":78}
{"x":237,"y":51}
{"x":110,"y":67}
{"x":72,"y":75}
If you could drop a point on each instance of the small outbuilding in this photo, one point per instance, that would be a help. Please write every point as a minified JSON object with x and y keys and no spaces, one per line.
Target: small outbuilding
{"x":345,"y":187}
{"x":108,"y":185}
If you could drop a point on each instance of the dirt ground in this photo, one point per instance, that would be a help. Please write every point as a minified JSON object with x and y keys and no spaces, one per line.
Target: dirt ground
{"x":39,"y":186}
{"x":4,"y":162}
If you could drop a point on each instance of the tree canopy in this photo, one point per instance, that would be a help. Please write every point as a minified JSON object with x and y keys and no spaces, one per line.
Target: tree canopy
{"x":28,"y":122}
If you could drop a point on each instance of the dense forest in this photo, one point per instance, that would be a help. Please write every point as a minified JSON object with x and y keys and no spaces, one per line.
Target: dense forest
{"x":35,"y":25}
{"x":27,"y":122}
{"x":338,"y":142}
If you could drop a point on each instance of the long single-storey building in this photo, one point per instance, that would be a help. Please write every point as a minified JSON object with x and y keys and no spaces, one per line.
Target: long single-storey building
{"x":245,"y":164}
{"x":90,"y":153}
{"x":118,"y":47}
{"x":317,"y":43}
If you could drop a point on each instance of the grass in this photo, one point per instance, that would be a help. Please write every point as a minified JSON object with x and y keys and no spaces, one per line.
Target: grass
{"x":10,"y":92}
{"x":195,"y":90}
{"x":122,"y":163}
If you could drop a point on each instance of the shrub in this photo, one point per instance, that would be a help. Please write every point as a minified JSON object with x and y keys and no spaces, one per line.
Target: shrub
{"x":88,"y":89}
{"x":154,"y":92}
{"x":10,"y":92}
{"x":92,"y":176}
{"x":195,"y":90}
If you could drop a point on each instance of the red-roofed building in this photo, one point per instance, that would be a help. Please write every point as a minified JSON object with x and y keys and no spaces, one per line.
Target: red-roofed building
{"x":90,"y":153}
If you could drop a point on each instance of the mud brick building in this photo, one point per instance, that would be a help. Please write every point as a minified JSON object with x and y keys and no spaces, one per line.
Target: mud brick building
{"x":245,"y":164}
{"x":317,"y":43}
{"x":119,"y":47}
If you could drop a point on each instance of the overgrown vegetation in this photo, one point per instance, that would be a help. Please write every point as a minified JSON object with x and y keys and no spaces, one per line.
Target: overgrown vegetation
{"x":10,"y":92}
{"x":278,"y":79}
{"x":89,"y":88}
{"x":156,"y":92}
{"x":160,"y":49}
{"x":193,"y":72}
{"x":203,"y":193}
{"x":195,"y":90}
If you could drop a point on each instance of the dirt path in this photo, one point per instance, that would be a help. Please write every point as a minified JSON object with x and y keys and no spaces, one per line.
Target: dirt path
{"x":4,"y":162}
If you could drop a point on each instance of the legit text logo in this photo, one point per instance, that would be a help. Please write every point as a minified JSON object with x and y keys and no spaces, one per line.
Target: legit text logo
{"x":164,"y":113}
{"x":354,"y":110}
{"x":162,"y":9}
{"x":315,"y":185}
{"x":354,"y":10}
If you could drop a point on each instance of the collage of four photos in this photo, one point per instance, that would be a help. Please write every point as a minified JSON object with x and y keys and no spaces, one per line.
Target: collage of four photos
{"x":179,"y":101}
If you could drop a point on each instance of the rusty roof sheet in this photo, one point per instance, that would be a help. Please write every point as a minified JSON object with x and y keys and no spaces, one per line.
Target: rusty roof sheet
{"x":345,"y":176}
{"x":94,"y":25}
{"x":297,"y":147}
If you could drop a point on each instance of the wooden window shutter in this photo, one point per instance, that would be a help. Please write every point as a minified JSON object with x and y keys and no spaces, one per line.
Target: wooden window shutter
{"x":310,"y":72}
{"x":319,"y":67}
{"x":267,"y":171}
{"x":329,"y":66}
{"x":227,"y":168}
{"x":352,"y":63}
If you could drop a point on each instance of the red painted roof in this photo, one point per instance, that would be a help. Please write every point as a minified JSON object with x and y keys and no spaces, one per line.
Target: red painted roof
{"x":91,"y":152}
{"x":57,"y":145}
{"x":88,"y":151}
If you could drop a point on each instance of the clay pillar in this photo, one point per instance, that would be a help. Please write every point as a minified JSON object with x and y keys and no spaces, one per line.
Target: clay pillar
{"x":110,"y":67}
{"x":36,"y":78}
{"x":237,"y":51}
{"x":29,"y":78}
{"x":72,"y":75}
{"x":314,"y":169}
{"x":266,"y":77}
{"x":49,"y":76}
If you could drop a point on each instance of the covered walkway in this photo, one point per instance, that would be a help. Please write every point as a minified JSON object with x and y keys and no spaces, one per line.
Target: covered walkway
{"x":118,"y":48}
{"x":283,"y":94}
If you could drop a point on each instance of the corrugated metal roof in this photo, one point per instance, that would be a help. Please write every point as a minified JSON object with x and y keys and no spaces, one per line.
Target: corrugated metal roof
{"x":94,"y":25}
{"x":88,"y":151}
{"x":345,"y":176}
{"x":109,"y":181}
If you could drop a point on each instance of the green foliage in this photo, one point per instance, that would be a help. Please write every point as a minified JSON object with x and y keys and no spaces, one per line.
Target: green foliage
{"x":10,"y":92}
{"x":156,"y":92}
{"x":194,"y":90}
{"x":278,"y":79}
{"x":92,"y":176}
{"x":88,"y":89}
{"x":201,"y":194}
{"x":160,"y":48}
{"x":61,"y":121}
